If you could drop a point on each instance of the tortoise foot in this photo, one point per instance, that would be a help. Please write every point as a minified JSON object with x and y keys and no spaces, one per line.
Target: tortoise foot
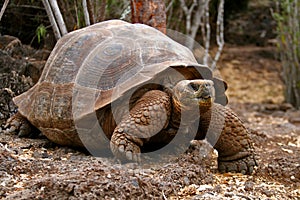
{"x":125,"y":149}
{"x":244,"y":166}
{"x":19,"y":125}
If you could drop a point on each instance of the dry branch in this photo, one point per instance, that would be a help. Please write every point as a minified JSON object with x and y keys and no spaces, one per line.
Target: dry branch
{"x":3,"y":8}
{"x":59,"y":19}
{"x":220,"y":33}
{"x":197,"y":16}
{"x":188,"y":14}
{"x":52,"y":19}
{"x":206,"y":33}
{"x":86,"y":13}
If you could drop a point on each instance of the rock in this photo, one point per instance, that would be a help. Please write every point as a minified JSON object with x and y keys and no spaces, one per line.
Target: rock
{"x":10,"y":82}
{"x":8,"y":63}
{"x":34,"y":69}
{"x":205,"y":187}
{"x":268,"y":193}
{"x":271,"y":107}
{"x":278,"y":113}
{"x":294,"y":120}
{"x":10,"y":44}
{"x":249,"y":186}
{"x":285,"y":106}
{"x":294,"y":117}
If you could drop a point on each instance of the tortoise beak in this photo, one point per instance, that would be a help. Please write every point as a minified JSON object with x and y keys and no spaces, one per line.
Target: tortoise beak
{"x":204,"y":93}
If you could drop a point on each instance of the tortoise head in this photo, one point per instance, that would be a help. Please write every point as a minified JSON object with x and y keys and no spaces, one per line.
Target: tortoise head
{"x":189,"y":93}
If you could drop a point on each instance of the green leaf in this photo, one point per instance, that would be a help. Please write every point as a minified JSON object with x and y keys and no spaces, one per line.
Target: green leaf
{"x":41,"y":32}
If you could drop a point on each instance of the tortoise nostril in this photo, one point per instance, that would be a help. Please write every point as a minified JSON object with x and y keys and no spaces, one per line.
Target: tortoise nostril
{"x":194,"y":86}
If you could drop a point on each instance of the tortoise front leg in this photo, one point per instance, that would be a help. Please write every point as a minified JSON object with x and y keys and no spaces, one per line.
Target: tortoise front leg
{"x":234,"y":145}
{"x":148,"y":117}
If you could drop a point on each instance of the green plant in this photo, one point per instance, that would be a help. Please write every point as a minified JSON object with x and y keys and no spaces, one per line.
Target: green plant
{"x":287,"y":17}
{"x":40,"y":32}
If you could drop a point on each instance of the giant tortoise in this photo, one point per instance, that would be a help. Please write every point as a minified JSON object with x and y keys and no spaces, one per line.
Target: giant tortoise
{"x":136,"y":88}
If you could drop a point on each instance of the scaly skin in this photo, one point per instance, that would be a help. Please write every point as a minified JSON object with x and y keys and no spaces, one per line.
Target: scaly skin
{"x":148,"y":117}
{"x":234,"y":145}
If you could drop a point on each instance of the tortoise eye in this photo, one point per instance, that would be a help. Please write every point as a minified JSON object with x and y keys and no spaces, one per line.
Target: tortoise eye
{"x":193,"y":86}
{"x":207,"y":85}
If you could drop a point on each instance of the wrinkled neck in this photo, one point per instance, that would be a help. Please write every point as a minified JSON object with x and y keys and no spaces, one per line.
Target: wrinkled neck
{"x":176,"y":113}
{"x":204,"y":108}
{"x":189,"y":114}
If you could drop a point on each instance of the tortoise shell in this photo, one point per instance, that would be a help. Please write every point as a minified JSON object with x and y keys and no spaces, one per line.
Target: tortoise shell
{"x":100,"y":64}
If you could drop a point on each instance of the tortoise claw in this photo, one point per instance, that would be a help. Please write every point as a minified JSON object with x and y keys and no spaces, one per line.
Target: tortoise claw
{"x":124,"y":149}
{"x":244,"y":166}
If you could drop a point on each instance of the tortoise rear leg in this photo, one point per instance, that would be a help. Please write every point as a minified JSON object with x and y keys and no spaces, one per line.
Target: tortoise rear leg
{"x":19,"y":124}
{"x":236,"y":152}
{"x":148,"y":117}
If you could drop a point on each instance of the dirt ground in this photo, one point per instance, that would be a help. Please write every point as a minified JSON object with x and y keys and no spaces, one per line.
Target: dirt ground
{"x":39,"y":169}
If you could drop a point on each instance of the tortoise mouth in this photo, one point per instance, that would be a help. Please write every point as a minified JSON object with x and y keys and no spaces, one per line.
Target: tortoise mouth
{"x":192,"y":103}
{"x":205,"y":101}
{"x":201,"y":101}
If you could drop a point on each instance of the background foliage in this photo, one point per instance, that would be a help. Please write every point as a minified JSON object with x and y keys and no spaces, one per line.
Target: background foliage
{"x":288,"y":28}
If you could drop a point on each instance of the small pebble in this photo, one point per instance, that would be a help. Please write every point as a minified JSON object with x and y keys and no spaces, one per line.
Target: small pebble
{"x":249,"y":186}
{"x":186,"y":180}
{"x":268,"y":193}
{"x":218,"y":189}
{"x":204,"y":187}
{"x":12,"y":129}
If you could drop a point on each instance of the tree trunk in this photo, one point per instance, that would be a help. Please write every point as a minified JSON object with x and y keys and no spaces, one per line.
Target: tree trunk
{"x":288,"y":22}
{"x":100,"y":15}
{"x":91,"y":11}
{"x":150,"y":12}
{"x":69,"y":16}
{"x":52,"y":19}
